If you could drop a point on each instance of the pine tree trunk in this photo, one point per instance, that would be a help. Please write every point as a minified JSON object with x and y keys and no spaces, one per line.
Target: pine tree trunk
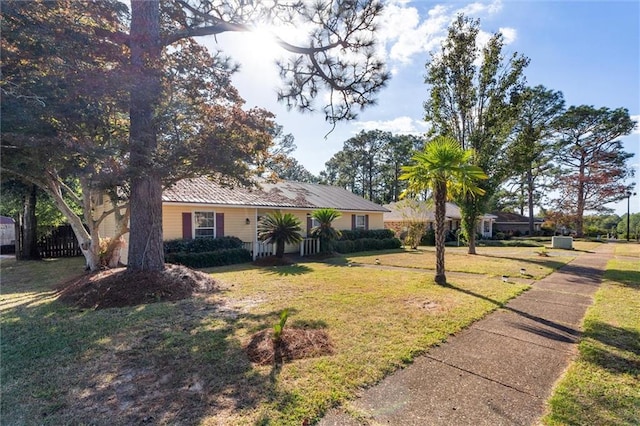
{"x":29,"y":249}
{"x":145,"y":240}
{"x":440,"y":195}
{"x":530,"y":200}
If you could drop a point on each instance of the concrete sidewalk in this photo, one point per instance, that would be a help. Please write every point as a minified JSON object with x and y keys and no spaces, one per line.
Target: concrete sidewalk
{"x":499,"y":371}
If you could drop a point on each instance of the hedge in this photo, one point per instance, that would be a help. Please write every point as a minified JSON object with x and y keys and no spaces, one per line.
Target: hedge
{"x":358,"y":234}
{"x":366,"y":244}
{"x":210,"y":258}
{"x":202,"y":245}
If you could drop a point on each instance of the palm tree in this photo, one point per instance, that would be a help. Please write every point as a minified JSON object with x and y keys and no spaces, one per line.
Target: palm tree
{"x":324,"y":230}
{"x":279,"y":229}
{"x":444,"y":169}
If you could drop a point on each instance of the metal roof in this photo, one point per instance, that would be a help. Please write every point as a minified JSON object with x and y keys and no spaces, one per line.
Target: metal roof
{"x":284,"y":194}
{"x":510,"y":217}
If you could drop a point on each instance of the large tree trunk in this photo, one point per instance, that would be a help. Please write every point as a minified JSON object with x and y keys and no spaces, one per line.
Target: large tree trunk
{"x":580,"y":201}
{"x":29,"y":228}
{"x":530,"y":200}
{"x":145,"y":240}
{"x":440,"y":195}
{"x":469,"y":212}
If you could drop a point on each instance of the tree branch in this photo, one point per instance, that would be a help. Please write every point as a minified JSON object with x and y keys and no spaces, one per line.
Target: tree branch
{"x":218,"y":28}
{"x":116,"y":37}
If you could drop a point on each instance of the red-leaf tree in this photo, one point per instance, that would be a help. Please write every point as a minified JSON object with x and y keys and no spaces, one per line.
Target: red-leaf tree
{"x":594,"y":164}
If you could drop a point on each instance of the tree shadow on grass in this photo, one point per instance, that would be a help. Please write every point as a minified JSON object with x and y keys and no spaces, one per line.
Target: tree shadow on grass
{"x":285,"y":271}
{"x":542,"y":261}
{"x":599,"y":393}
{"x":620,"y":349}
{"x":169,"y":363}
{"x":624,"y":277}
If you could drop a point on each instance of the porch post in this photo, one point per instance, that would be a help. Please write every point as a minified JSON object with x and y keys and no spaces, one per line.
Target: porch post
{"x":255,"y":234}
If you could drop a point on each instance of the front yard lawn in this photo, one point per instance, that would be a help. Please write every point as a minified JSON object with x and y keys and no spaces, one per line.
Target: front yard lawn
{"x":493,"y":261}
{"x":185,"y":363}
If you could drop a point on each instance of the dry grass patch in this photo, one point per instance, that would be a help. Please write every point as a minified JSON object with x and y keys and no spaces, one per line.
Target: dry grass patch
{"x":628,"y":249}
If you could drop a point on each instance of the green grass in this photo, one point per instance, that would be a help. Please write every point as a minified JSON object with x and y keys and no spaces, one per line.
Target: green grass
{"x":184,"y":362}
{"x":602,"y":387}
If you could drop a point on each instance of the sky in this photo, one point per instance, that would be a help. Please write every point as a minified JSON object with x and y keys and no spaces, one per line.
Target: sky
{"x":589,"y":50}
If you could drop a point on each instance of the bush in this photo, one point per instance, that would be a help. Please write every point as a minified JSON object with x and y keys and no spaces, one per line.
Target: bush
{"x":366,"y":244}
{"x":202,"y":245}
{"x":429,"y":238}
{"x":358,"y":234}
{"x":210,"y":258}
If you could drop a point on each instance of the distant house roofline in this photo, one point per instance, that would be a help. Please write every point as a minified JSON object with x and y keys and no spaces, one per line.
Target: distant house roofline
{"x":452,"y":213}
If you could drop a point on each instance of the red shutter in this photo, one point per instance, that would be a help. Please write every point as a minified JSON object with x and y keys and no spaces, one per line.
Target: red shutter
{"x":219,"y":225}
{"x":187,"y":226}
{"x":309,"y":223}
{"x":353,"y":222}
{"x":366,"y":222}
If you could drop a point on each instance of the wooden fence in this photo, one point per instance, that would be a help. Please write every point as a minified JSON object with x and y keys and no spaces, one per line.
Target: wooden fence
{"x":59,"y":242}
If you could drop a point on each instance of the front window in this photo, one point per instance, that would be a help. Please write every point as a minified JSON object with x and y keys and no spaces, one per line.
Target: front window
{"x":360,"y":222}
{"x":205,"y":225}
{"x":315,"y":222}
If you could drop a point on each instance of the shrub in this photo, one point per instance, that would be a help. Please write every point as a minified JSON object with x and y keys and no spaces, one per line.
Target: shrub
{"x":357,"y":234}
{"x":210,"y":258}
{"x":391,"y":243}
{"x":366,"y":244}
{"x":429,"y":238}
{"x":202,"y":245}
{"x":414,"y":234}
{"x":500,"y":236}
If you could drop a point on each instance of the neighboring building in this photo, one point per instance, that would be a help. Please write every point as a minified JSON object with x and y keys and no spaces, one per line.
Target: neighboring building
{"x":510,"y":223}
{"x":7,"y":231}
{"x":399,"y":216}
{"x":198,"y":208}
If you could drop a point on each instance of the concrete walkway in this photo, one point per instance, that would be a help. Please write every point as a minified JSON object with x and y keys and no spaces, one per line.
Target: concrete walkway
{"x":499,"y":371}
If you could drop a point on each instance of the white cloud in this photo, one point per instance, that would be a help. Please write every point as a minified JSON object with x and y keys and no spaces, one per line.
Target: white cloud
{"x":509,"y":34}
{"x":399,"y":125}
{"x":478,"y":8}
{"x":403,"y":33}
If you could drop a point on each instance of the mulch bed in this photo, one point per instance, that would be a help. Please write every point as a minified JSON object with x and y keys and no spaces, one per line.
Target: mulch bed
{"x":294,"y":343}
{"x":118,"y":287}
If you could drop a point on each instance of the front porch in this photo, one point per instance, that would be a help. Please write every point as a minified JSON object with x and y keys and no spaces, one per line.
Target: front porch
{"x":306,"y":247}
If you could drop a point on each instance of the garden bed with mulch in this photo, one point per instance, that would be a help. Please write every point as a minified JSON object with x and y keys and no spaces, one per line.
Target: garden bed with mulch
{"x":118,"y":287}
